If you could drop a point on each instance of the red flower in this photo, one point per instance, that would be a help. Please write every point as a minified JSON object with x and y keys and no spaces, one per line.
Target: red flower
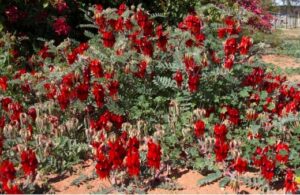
{"x":113,"y":88}
{"x":51,"y":90}
{"x":153,"y":155}
{"x":221,"y":150}
{"x":7,"y":171}
{"x":72,"y":57}
{"x":11,"y":189}
{"x":240,"y":165}
{"x":282,"y":152}
{"x":229,"y":61}
{"x":267,"y":169}
{"x":61,"y":27}
{"x":63,"y":100}
{"x":289,"y":182}
{"x":133,"y":143}
{"x":103,"y":165}
{"x":193,"y":23}
{"x":178,"y":78}
{"x":257,"y":160}
{"x":82,"y":91}
{"x":5,"y":102}
{"x":117,"y":120}
{"x":199,"y":128}
{"x":142,"y":18}
{"x":230,"y":46}
{"x":162,"y":42}
{"x":1,"y":142}
{"x":193,"y":83}
{"x":3,"y":83}
{"x":133,"y":157}
{"x":108,"y":39}
{"x":220,"y":131}
{"x":116,"y":154}
{"x":32,"y":113}
{"x":44,"y":53}
{"x":222,"y":33}
{"x":145,"y":46}
{"x":200,"y":38}
{"x":61,"y":6}
{"x":82,"y":47}
{"x":119,"y":25}
{"x":68,"y":79}
{"x":190,"y":64}
{"x":142,"y":69}
{"x":98,"y":92}
{"x":234,"y":116}
{"x":245,"y":45}
{"x":98,"y":8}
{"x":128,"y":24}
{"x":122,"y":8}
{"x":29,"y":162}
{"x":13,"y":14}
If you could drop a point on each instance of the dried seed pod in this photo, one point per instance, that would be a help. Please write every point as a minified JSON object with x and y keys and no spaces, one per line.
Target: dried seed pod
{"x":186,"y":131}
{"x":199,"y":113}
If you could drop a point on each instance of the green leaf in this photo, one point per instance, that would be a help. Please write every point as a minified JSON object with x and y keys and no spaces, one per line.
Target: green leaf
{"x":210,"y":178}
{"x":224,"y":182}
{"x":244,"y":93}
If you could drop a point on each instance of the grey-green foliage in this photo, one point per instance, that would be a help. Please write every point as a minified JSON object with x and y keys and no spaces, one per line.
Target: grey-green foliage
{"x":63,"y":155}
{"x":210,"y":178}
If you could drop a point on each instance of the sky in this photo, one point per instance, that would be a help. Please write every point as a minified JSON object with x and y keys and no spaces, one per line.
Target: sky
{"x":279,"y":2}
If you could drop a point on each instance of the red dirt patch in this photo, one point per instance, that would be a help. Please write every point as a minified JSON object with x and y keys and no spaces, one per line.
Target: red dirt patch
{"x":187,"y":181}
{"x":284,"y":62}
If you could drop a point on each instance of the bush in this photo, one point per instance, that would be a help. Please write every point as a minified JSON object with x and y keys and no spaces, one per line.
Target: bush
{"x":146,"y":100}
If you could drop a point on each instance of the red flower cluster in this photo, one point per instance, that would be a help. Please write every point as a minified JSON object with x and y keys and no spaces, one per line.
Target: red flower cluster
{"x":178,"y":77}
{"x":14,"y":14}
{"x":193,"y":24}
{"x":221,"y":150}
{"x":199,"y":128}
{"x":267,"y":165}
{"x":133,"y":157}
{"x":108,"y":39}
{"x":8,"y":172}
{"x":96,"y":68}
{"x":116,"y":153}
{"x":232,"y":114}
{"x":107,"y":120}
{"x":289,"y":182}
{"x":3,"y":83}
{"x":231,"y":45}
{"x":245,"y":45}
{"x":72,"y":57}
{"x":11,"y":189}
{"x":240,"y":165}
{"x":99,"y":94}
{"x":282,"y":152}
{"x":61,"y":27}
{"x":44,"y":53}
{"x":153,"y":155}
{"x":1,"y":139}
{"x":103,"y":165}
{"x":29,"y":162}
{"x":221,"y":147}
{"x":121,"y":153}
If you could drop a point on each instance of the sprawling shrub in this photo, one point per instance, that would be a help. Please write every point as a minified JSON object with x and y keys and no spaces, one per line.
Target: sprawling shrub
{"x":149,"y":100}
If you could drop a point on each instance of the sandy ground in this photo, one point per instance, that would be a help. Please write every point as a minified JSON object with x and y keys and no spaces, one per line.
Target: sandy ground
{"x":187,"y":180}
{"x":291,"y":33}
{"x":284,"y":62}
